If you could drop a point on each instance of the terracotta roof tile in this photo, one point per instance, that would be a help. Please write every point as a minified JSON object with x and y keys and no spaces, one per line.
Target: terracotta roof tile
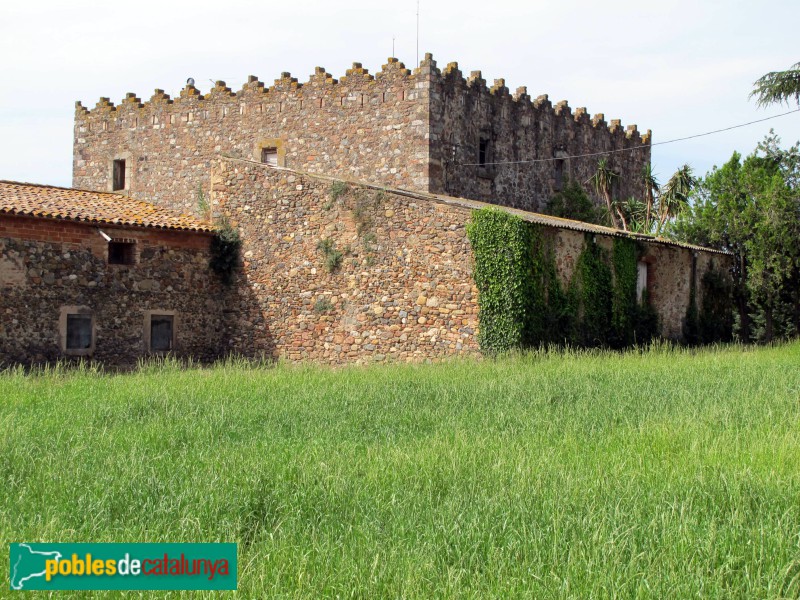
{"x":36,"y":200}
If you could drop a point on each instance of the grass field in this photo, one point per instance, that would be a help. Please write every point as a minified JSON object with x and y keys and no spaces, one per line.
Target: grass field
{"x":662,"y":474}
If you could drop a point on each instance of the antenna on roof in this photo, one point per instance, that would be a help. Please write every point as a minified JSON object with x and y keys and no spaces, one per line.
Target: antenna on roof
{"x":190,"y":81}
{"x":417,"y":32}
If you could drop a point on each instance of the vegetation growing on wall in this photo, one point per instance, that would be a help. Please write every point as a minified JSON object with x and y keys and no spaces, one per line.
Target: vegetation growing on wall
{"x":691,"y":322}
{"x":331,"y":256}
{"x":225,"y":247}
{"x":501,"y":244}
{"x":593,"y":283}
{"x":523,"y":303}
{"x":337,"y":189}
{"x":624,"y":304}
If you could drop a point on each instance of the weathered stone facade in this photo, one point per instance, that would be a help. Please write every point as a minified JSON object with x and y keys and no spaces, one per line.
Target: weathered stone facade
{"x":525,"y":142}
{"x":48,"y":265}
{"x":404,"y":289}
{"x":424,"y":130}
{"x":331,"y":271}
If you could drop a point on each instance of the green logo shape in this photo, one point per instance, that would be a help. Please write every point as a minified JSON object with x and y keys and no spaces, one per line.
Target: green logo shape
{"x":122,"y":566}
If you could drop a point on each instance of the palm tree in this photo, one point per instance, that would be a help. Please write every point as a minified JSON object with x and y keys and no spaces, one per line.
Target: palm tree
{"x":778,"y":87}
{"x":651,"y":190}
{"x":636,"y":215}
{"x":674,"y":195}
{"x":603,"y":182}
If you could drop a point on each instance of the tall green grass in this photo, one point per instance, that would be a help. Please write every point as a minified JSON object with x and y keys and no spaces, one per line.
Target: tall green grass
{"x":651,"y":474}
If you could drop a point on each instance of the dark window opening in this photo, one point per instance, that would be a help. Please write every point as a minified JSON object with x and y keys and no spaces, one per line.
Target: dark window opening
{"x":79,"y":332}
{"x":119,"y":174}
{"x":642,"y":269}
{"x":483,"y":152}
{"x":269,"y":156}
{"x":559,"y":174}
{"x":161,"y":333}
{"x":121,"y":253}
{"x":615,"y":186}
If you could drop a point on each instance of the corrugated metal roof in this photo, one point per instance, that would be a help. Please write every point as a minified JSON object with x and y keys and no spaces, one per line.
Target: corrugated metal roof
{"x":35,"y":200}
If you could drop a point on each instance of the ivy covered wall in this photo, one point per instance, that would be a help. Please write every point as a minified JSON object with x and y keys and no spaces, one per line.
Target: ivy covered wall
{"x":525,"y":303}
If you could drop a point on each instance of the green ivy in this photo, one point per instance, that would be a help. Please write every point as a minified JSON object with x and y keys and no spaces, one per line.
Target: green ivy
{"x":624,"y":305}
{"x":593,"y":281}
{"x":501,"y":244}
{"x":716,"y":311}
{"x":522,"y":302}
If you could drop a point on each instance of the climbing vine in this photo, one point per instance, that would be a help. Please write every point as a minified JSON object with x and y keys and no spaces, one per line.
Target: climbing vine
{"x":716,"y":310}
{"x":624,"y":305}
{"x":523,"y":302}
{"x":593,"y":283}
{"x":501,"y":244}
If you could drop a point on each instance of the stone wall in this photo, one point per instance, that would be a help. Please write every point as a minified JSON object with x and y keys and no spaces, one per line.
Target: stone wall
{"x":417,"y":130}
{"x":364,"y":127}
{"x":404,"y":289}
{"x":515,"y":128}
{"x":670,"y":271}
{"x":402,"y":292}
{"x":331,"y":271}
{"x":47,"y":264}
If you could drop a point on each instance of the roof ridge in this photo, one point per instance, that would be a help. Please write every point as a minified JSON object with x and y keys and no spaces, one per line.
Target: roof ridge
{"x":61,"y":187}
{"x":89,"y":206}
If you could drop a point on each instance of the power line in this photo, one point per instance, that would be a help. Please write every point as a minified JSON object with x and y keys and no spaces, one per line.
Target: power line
{"x":605,"y":152}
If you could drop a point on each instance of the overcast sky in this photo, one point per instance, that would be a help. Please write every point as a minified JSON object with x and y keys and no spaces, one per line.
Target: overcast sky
{"x":678,"y":68}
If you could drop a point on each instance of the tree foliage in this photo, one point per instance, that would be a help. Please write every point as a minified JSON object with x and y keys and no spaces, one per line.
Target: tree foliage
{"x":777,"y":87}
{"x":572,"y":202}
{"x":751,"y":208}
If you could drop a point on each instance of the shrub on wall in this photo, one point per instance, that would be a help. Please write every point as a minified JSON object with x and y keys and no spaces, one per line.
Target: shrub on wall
{"x":225,"y":247}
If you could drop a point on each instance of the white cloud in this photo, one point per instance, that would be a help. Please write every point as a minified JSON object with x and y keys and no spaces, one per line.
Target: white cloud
{"x":677,"y":68}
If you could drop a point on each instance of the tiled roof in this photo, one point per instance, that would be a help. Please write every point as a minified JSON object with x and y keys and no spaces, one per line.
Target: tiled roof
{"x":30,"y":199}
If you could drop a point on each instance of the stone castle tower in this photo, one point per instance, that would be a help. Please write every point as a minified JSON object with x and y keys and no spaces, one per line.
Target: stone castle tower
{"x":424,"y":130}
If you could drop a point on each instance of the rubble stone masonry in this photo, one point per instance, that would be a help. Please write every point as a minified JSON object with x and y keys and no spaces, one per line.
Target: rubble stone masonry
{"x":424,"y":130}
{"x":403,"y":288}
{"x":47,"y":265}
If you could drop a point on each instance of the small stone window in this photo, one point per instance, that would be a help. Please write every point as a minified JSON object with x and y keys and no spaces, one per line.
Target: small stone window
{"x":269,"y":156}
{"x":76,"y":330}
{"x":121,"y":252}
{"x":118,"y":175}
{"x":159,"y":333}
{"x":483,"y":151}
{"x":79,"y":332}
{"x":559,"y":174}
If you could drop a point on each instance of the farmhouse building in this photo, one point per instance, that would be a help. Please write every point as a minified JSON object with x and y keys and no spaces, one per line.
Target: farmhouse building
{"x":351,"y":199}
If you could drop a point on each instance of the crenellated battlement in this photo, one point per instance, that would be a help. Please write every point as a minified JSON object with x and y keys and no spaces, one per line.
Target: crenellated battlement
{"x":425,"y":128}
{"x":392,"y":77}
